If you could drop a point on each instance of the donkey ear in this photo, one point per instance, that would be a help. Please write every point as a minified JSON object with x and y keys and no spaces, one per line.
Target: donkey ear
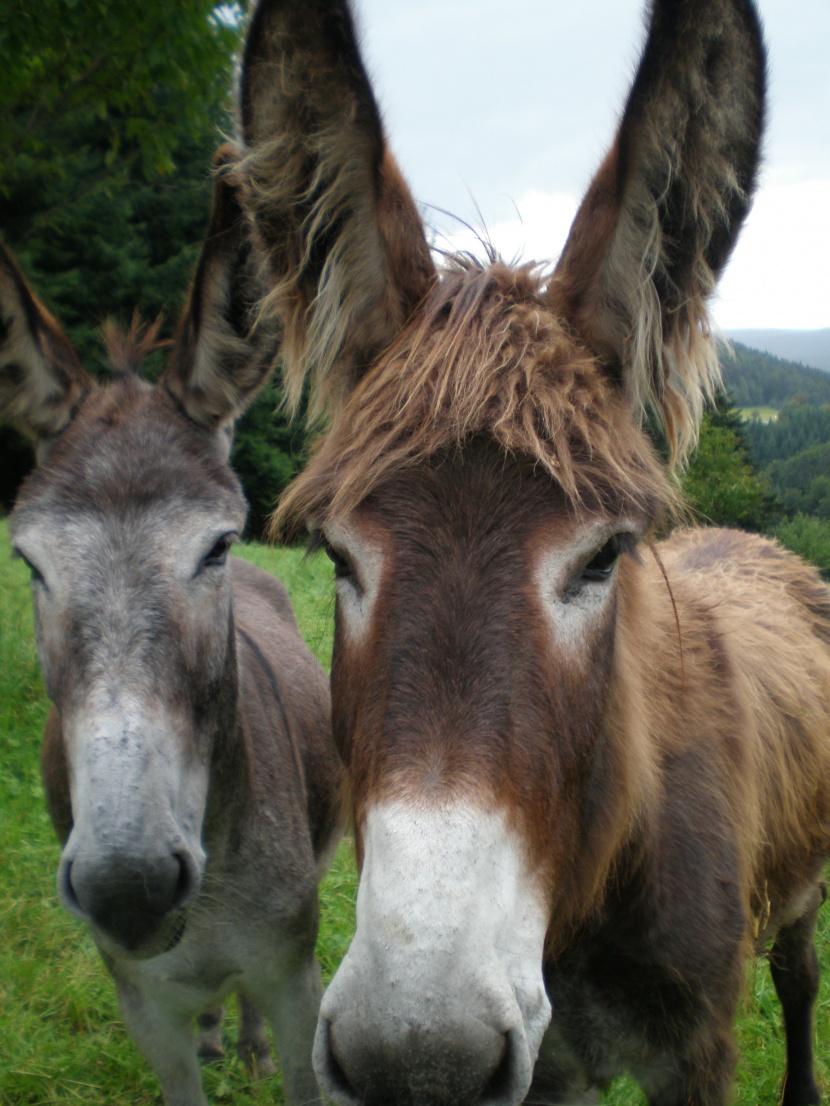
{"x":221,"y":354}
{"x":660,"y":219}
{"x":345,"y":249}
{"x":41,"y":380}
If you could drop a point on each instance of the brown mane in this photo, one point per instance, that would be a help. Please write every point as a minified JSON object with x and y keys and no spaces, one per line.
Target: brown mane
{"x":128,"y":348}
{"x":486,"y":355}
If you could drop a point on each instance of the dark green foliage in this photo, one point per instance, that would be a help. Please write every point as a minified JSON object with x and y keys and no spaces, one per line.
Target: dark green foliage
{"x":755,"y":379}
{"x":121,"y":245}
{"x":809,"y":537}
{"x":109,"y":114}
{"x":267,"y":452}
{"x":802,"y":482}
{"x":720,"y":484}
{"x":797,"y":427}
{"x":141,"y":74}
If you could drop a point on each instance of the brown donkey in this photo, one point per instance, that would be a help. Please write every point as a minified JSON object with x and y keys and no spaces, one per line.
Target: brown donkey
{"x":188,"y":761}
{"x":588,"y":773}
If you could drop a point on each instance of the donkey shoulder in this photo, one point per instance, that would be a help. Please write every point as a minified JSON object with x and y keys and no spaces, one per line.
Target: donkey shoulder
{"x":259,"y":595}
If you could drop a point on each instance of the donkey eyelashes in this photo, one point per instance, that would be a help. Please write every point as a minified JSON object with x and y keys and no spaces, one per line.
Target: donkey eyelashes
{"x":599,"y":566}
{"x":342,"y":568}
{"x":217,"y":555}
{"x":602,"y":564}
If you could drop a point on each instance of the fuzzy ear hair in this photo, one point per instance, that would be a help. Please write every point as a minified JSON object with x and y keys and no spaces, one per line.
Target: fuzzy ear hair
{"x":222,"y":355}
{"x":344,"y":247}
{"x":661,"y":217}
{"x":41,"y":380}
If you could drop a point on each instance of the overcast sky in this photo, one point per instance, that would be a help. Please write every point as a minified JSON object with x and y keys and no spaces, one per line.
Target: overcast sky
{"x":507,"y":106}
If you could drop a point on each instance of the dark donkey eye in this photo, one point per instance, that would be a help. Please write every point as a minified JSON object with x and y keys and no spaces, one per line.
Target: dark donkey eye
{"x":342,"y":567}
{"x":218,"y":553}
{"x":602,"y":563}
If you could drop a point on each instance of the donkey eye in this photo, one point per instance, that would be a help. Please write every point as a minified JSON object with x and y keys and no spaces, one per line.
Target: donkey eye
{"x":218,"y":553}
{"x":602,"y":563}
{"x":342,"y":568}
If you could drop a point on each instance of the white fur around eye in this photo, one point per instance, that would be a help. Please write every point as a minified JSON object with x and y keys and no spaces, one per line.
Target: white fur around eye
{"x":357,"y":595}
{"x":571,"y":606}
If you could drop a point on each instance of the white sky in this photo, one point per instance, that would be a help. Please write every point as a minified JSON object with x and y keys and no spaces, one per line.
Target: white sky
{"x":508,"y":108}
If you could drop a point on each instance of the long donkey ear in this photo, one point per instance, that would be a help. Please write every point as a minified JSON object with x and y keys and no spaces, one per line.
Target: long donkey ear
{"x":344,"y":246}
{"x":660,"y":219}
{"x":221,"y":356}
{"x":41,"y":380}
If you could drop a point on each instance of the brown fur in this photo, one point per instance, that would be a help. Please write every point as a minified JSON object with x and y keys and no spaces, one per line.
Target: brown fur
{"x":667,"y":767}
{"x":485,"y":355}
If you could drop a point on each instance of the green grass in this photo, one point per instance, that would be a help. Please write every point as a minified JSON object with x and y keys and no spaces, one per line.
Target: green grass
{"x":61,"y":1040}
{"x":764,"y":414}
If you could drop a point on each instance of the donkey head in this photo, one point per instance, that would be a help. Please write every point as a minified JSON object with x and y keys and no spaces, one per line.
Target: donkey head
{"x":481,"y":488}
{"x":125,"y":525}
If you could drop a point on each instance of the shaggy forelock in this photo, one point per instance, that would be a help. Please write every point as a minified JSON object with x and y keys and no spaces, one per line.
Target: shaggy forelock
{"x":485,"y":355}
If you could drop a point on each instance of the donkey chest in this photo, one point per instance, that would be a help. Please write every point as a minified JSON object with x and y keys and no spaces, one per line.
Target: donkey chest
{"x":597,"y":1034}
{"x":632,"y":996}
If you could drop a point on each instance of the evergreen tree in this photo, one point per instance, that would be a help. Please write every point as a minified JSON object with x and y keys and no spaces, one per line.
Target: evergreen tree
{"x":719,"y":483}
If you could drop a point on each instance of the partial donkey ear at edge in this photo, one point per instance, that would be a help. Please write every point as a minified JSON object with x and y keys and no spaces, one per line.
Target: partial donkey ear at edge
{"x":41,"y":379}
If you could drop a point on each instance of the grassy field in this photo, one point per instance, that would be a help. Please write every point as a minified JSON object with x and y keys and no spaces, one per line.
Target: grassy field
{"x":61,"y":1040}
{"x":764,"y":414}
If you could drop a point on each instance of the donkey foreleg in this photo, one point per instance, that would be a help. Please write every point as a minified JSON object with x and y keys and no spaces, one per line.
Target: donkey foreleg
{"x":209,"y":1045}
{"x":702,"y":1078}
{"x":165,"y":1037}
{"x":795,"y":973}
{"x":253,"y":1046}
{"x":291,"y":1007}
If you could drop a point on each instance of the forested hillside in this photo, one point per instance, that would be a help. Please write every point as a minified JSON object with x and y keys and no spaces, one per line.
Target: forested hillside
{"x":790,"y":454}
{"x":755,"y":379}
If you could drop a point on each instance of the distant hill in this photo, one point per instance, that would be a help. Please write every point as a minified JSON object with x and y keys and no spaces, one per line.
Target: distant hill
{"x":805,"y":347}
{"x":755,"y":379}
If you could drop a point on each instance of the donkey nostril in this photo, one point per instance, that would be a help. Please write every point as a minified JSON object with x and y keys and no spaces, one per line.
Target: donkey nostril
{"x":501,"y":1084}
{"x":66,"y":889}
{"x":187,"y":883}
{"x":330,"y":1073}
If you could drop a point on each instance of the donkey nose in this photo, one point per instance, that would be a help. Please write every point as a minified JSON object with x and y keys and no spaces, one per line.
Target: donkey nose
{"x":468,"y":1063}
{"x":128,"y":897}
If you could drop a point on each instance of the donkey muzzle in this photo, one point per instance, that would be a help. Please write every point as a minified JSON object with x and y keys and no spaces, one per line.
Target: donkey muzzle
{"x":440,"y":1000}
{"x":134,"y":902}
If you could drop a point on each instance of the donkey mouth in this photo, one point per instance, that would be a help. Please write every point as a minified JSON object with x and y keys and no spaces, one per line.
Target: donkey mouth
{"x":131,"y":916}
{"x":146,"y":945}
{"x":177,"y":934}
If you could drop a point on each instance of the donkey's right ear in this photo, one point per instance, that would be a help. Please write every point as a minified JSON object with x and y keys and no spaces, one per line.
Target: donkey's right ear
{"x":223,"y":353}
{"x":41,"y":380}
{"x":345,"y":249}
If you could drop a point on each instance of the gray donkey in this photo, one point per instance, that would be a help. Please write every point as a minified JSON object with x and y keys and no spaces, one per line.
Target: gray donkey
{"x":188,"y":761}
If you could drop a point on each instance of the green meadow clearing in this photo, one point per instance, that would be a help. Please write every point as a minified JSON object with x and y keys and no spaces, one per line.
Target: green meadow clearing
{"x":763,"y":414}
{"x":61,"y":1040}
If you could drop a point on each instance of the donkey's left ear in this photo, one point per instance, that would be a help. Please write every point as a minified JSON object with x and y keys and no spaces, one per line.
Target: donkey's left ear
{"x":662,"y":215}
{"x":41,"y":380}
{"x":222,"y":353}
